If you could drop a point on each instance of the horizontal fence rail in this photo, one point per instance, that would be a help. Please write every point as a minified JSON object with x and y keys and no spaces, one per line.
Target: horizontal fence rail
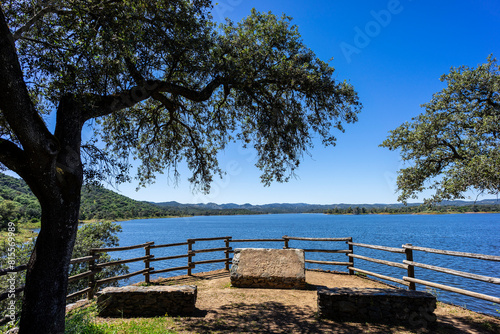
{"x":487,"y":279}
{"x":387,"y":263}
{"x":384,"y":248}
{"x":190,"y":249}
{"x":257,"y":240}
{"x":452,"y":289}
{"x":317,"y":239}
{"x":13,"y":270}
{"x":347,"y":264}
{"x":116,"y":249}
{"x":409,"y":269}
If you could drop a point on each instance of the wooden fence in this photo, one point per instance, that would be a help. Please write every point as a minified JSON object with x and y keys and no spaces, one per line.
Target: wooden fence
{"x":407,"y":263}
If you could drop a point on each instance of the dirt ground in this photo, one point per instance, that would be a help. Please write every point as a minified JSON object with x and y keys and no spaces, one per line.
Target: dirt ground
{"x":224,"y":309}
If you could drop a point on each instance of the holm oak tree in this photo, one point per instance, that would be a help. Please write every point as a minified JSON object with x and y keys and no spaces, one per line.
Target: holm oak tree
{"x":157,"y":80}
{"x":455,"y":145}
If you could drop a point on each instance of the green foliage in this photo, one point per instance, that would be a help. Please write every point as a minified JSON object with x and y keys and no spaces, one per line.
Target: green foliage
{"x":9,"y":210}
{"x":97,"y":203}
{"x":197,"y":86}
{"x":455,"y":145}
{"x":158,"y":325}
{"x":17,"y":202}
{"x":96,"y":235}
{"x":13,"y":253}
{"x":82,"y":321}
{"x":100,"y":203}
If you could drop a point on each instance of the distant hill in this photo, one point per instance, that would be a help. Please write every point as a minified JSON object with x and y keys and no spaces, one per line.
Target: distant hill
{"x":312,"y":208}
{"x":17,"y":202}
{"x":101,"y":203}
{"x":97,"y":203}
{"x":212,"y":208}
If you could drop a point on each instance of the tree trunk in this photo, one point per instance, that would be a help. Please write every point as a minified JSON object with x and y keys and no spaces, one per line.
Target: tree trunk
{"x":44,"y":301}
{"x":57,"y":184}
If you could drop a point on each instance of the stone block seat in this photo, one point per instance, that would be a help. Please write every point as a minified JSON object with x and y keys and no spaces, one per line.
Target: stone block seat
{"x":414,"y":308}
{"x":268,"y":268}
{"x":147,"y":301}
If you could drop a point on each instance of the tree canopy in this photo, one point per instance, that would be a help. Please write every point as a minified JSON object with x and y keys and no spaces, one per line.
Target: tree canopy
{"x":455,"y":145}
{"x":175,"y":87}
{"x":157,"y":80}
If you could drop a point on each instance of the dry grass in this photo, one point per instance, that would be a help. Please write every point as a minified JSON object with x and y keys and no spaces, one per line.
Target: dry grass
{"x":223,"y":309}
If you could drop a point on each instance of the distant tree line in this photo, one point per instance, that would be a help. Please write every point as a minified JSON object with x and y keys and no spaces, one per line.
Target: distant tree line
{"x":18,"y":204}
{"x":414,"y":209}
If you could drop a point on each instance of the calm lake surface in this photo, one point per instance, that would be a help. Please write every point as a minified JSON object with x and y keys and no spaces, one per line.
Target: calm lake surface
{"x":474,"y":233}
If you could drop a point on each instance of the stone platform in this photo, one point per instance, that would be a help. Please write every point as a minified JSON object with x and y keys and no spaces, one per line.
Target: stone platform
{"x":147,"y":301}
{"x":268,"y":268}
{"x":414,"y":308}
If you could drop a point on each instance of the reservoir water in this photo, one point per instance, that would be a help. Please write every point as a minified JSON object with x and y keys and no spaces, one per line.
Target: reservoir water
{"x":473,"y":233}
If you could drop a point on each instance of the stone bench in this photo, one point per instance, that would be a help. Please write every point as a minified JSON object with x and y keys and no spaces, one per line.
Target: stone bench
{"x":268,"y":268}
{"x":147,"y":301}
{"x":414,"y":308}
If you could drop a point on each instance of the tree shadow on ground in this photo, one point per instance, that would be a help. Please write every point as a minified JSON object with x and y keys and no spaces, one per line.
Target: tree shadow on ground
{"x":274,"y":317}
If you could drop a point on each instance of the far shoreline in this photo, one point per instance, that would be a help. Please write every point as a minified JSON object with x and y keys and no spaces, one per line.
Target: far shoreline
{"x":409,"y":213}
{"x":286,"y":213}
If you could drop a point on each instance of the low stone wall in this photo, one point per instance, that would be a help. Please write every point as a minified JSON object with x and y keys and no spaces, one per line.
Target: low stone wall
{"x":268,"y":268}
{"x":147,"y":301}
{"x":414,"y":308}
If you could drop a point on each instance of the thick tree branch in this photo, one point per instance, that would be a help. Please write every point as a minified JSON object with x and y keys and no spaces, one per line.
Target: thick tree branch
{"x":456,"y":155}
{"x":15,"y":101}
{"x":190,"y":94}
{"x":136,"y":75}
{"x":52,"y":46}
{"x":165,"y":101}
{"x":12,"y":156}
{"x":98,"y":106}
{"x":51,"y":9}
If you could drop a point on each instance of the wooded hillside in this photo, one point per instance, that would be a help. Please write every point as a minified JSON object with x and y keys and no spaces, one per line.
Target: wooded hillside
{"x":17,"y":203}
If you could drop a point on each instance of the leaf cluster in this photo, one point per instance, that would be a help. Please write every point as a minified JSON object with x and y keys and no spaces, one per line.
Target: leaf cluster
{"x":96,"y":235}
{"x":455,"y":145}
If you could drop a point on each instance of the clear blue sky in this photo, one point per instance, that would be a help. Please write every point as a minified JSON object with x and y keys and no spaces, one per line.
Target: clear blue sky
{"x":393,"y":53}
{"x":395,"y":67}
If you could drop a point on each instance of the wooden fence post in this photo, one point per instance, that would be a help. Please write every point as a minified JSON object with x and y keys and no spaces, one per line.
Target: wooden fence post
{"x":351,"y":259}
{"x":146,"y":263}
{"x":286,"y":239}
{"x":92,"y":281}
{"x":190,"y":256}
{"x":411,"y":269}
{"x":227,"y":241}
